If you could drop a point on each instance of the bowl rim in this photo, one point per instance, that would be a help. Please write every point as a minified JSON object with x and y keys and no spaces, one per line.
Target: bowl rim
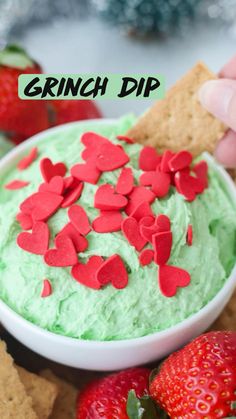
{"x":227,"y":288}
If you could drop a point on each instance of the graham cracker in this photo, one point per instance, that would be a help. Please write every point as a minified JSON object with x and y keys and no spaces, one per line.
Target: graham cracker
{"x":42,"y":392}
{"x":232,"y":173}
{"x":14,"y":401}
{"x":179,"y":121}
{"x":227,"y":319}
{"x":65,"y":405}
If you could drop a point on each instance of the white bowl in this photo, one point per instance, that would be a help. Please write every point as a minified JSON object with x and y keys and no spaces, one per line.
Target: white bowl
{"x":105,"y":356}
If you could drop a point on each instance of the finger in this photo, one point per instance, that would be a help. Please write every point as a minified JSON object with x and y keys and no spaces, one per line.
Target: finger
{"x":225,"y":151}
{"x":219,"y":98}
{"x":229,"y":69}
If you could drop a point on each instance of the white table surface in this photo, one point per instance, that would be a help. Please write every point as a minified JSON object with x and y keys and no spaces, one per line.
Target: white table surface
{"x":89,"y":45}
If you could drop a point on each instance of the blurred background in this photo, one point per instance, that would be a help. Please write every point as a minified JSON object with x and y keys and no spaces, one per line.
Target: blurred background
{"x":145,"y":36}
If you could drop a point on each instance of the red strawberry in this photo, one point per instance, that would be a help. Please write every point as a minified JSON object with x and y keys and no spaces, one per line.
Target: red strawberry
{"x":107,"y":398}
{"x":19,"y":118}
{"x":62,"y":111}
{"x":199,"y":381}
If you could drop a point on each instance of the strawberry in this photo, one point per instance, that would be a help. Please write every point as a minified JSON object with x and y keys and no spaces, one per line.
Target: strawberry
{"x":19,"y":118}
{"x":62,"y":111}
{"x":107,"y":397}
{"x":199,"y":381}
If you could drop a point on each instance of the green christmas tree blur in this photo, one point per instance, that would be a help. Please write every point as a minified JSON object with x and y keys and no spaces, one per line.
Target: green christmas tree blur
{"x":147,"y":16}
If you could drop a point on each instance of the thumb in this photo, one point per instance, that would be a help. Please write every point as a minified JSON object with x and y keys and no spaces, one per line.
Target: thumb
{"x":219,"y":98}
{"x":225,"y":151}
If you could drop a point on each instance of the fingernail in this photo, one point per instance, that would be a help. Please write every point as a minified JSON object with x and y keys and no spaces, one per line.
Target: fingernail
{"x":215,"y":96}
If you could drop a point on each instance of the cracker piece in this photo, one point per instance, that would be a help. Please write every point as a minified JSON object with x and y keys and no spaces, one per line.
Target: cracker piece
{"x":14,"y":401}
{"x":65,"y":405}
{"x":179,"y":121}
{"x":42,"y":392}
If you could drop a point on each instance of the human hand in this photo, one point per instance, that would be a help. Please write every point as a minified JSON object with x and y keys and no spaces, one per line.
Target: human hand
{"x":219,"y":98}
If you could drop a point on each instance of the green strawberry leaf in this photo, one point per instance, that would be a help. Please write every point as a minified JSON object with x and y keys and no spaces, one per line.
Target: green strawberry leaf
{"x":15,"y":48}
{"x":142,"y":408}
{"x":16,"y":57}
{"x":134,"y":407}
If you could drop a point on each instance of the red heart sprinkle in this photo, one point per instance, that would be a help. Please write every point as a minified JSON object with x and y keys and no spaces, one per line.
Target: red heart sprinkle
{"x":186,"y":170}
{"x":47,"y":288}
{"x":146,"y":178}
{"x":106,"y":199}
{"x":41,"y":205}
{"x":79,"y":219}
{"x":37,"y":241}
{"x":184,"y":186}
{"x":138,"y":195}
{"x":161,"y":184}
{"x":189,"y":237}
{"x":130,"y":229}
{"x":201,"y":170}
{"x":167,"y":156}
{"x":111,"y":157}
{"x":64,"y":254}
{"x":25,"y":221}
{"x":108,"y":222}
{"x":113,"y":270}
{"x":93,"y":140}
{"x":171,"y":277}
{"x":88,"y":154}
{"x":49,"y":170}
{"x":87,"y":172}
{"x":180,"y":161}
{"x":26,"y":161}
{"x":72,"y":195}
{"x":148,"y":231}
{"x":142,"y":210}
{"x":125,"y":181}
{"x":93,"y":143}
{"x":124,"y":138}
{"x":162,"y":243}
{"x":196,"y":184}
{"x":70,"y":182}
{"x":55,"y":185}
{"x":16,"y":184}
{"x":85,"y":274}
{"x":162,"y":222}
{"x":147,"y":221}
{"x":149,"y":159}
{"x":146,"y":257}
{"x":80,"y":242}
